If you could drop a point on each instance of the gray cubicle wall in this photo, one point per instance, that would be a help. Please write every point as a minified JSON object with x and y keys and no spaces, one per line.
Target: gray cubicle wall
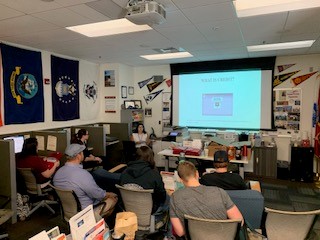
{"x":61,"y":144}
{"x":97,"y":138}
{"x":8,"y":175}
{"x":118,"y":130}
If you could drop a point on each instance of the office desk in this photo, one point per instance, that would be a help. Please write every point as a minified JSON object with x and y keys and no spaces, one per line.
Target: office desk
{"x":168,"y":153}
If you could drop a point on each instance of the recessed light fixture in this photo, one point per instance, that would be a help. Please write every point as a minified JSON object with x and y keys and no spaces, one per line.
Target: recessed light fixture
{"x":280,"y":46}
{"x":106,"y":28}
{"x":163,"y":56}
{"x":246,"y":8}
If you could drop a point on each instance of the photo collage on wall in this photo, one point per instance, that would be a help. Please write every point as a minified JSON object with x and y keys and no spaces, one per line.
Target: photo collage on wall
{"x":287,"y":108}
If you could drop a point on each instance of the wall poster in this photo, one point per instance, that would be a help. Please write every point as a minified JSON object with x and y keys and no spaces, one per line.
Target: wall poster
{"x":287,"y":108}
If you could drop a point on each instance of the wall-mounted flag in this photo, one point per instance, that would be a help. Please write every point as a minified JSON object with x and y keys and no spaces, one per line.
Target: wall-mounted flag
{"x":284,"y":67}
{"x":296,"y":81}
{"x":65,"y":89}
{"x":22,"y":85}
{"x":148,"y":98}
{"x":283,"y":77}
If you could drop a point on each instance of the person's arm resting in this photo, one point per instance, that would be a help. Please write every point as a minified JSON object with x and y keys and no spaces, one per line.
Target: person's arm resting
{"x":177,"y":226}
{"x":234,"y":213}
{"x":49,"y":172}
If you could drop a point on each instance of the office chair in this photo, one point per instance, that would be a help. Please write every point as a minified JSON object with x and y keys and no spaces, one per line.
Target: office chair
{"x":199,"y":228}
{"x":5,"y":215}
{"x":36,"y":190}
{"x":289,"y":225}
{"x":69,"y":202}
{"x":140,"y":202}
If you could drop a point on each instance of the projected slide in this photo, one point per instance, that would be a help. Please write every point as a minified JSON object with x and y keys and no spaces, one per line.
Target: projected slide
{"x":231,"y":100}
{"x":217,"y":104}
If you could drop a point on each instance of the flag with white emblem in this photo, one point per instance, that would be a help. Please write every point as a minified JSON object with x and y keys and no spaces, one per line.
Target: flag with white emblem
{"x":65,"y":89}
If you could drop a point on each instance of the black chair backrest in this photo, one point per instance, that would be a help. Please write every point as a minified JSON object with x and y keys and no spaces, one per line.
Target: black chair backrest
{"x":129,"y":150}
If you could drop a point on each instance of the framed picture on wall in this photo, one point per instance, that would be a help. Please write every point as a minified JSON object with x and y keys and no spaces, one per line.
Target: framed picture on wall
{"x":123,"y":91}
{"x":137,"y":104}
{"x":130,"y":90}
{"x":129,"y":104}
{"x":148,"y":112}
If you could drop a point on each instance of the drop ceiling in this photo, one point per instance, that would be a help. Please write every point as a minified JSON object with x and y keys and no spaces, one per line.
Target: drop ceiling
{"x":208,"y":29}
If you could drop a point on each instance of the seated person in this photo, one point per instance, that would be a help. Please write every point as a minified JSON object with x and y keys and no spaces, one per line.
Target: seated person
{"x":221,"y":177}
{"x":28,"y":158}
{"x":72,"y":176}
{"x":81,"y":137}
{"x":143,"y":172}
{"x":198,"y":200}
{"x":140,"y":136}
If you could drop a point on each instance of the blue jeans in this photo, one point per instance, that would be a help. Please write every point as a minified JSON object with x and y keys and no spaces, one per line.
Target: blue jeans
{"x":105,"y":179}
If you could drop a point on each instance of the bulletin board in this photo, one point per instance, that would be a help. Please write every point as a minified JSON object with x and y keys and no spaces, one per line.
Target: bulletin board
{"x":287,"y":108}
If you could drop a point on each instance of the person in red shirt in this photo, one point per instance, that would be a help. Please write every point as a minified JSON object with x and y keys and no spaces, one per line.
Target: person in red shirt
{"x":29,"y":158}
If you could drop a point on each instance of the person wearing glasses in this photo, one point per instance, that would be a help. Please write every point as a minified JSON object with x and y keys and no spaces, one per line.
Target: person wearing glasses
{"x":81,"y":137}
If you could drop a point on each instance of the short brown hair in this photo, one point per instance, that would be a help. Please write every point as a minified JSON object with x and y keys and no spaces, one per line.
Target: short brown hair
{"x":145,"y":153}
{"x":186,"y":170}
{"x":220,"y":164}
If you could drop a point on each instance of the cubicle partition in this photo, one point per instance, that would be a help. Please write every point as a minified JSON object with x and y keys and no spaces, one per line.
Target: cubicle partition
{"x":118,"y":130}
{"x":51,"y":141}
{"x":8,"y":186}
{"x":97,"y":139}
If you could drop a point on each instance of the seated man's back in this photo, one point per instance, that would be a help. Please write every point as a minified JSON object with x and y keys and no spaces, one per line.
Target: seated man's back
{"x":221,"y":177}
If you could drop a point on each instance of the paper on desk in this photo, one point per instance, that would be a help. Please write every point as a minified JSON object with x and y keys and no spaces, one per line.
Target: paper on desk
{"x":40,"y":140}
{"x":52,"y":143}
{"x":82,"y":222}
{"x":40,"y":236}
{"x":168,"y":180}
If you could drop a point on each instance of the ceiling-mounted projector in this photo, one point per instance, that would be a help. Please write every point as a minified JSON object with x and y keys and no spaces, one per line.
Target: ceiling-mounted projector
{"x":146,"y":12}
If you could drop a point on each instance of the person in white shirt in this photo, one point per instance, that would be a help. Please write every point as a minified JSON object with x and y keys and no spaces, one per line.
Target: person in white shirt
{"x":140,"y":136}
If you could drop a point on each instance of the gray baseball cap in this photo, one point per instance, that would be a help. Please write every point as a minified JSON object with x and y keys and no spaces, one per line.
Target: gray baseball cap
{"x":73,"y":149}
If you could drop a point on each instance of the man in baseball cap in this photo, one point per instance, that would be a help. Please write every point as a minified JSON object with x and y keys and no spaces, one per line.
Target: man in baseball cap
{"x":221,"y":177}
{"x":72,"y":176}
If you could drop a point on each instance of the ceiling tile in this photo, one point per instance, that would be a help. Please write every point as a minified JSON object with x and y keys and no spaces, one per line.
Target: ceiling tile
{"x":212,"y":12}
{"x":21,"y":25}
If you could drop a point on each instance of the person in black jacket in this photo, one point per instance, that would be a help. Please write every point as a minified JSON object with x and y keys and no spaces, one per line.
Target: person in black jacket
{"x":221,"y":177}
{"x":143,"y":172}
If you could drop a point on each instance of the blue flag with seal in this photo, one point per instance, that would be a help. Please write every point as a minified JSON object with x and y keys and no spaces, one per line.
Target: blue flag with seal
{"x":22,"y":85}
{"x":65,"y":89}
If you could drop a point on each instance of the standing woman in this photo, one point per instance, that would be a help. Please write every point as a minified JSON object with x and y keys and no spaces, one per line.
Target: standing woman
{"x":140,"y":136}
{"x":81,"y":137}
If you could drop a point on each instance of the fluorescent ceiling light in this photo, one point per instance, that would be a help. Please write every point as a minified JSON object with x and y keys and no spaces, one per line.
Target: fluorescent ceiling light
{"x":280,"y":46}
{"x":112,"y":27}
{"x":162,"y":56}
{"x":246,"y":8}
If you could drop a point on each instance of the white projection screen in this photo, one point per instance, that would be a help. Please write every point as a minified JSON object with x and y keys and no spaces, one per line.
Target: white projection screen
{"x":236,"y":99}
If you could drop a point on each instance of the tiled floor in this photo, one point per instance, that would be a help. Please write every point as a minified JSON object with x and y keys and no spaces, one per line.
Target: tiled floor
{"x":279,"y":194}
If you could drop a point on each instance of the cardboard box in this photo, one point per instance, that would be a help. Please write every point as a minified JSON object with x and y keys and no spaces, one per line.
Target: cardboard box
{"x":215,"y":147}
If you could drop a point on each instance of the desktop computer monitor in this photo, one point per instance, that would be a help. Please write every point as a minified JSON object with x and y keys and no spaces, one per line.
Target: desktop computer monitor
{"x":18,"y":142}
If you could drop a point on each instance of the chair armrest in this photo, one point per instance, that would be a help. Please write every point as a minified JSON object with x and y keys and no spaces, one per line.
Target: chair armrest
{"x":117,"y":168}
